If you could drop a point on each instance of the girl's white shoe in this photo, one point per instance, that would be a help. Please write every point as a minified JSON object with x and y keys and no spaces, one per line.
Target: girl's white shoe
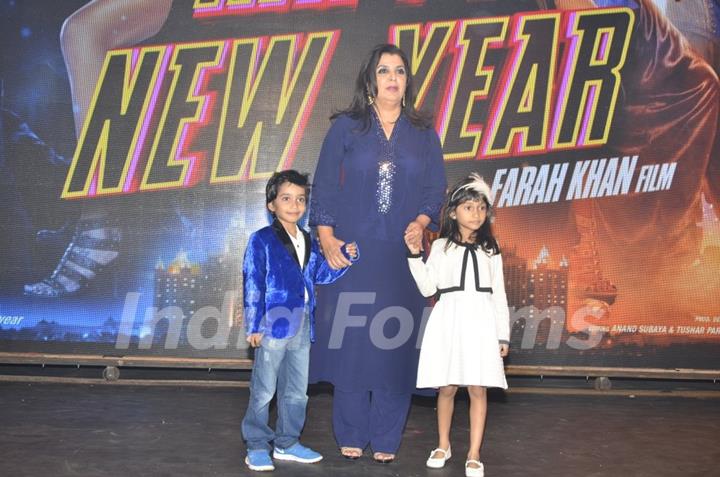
{"x":438,"y":462}
{"x":478,"y":471}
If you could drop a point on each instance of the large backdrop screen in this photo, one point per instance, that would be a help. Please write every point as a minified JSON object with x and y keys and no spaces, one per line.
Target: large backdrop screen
{"x":137,"y":137}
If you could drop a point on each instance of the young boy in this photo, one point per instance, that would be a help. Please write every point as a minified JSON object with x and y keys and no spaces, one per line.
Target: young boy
{"x":281,"y":266}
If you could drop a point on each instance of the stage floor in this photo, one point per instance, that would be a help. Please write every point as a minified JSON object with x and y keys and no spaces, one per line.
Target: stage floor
{"x":120,"y":430}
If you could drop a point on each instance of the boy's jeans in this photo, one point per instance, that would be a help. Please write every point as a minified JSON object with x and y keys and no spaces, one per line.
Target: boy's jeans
{"x":283,"y":362}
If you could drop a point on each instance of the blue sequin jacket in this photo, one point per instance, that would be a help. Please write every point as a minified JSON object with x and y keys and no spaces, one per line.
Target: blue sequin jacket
{"x":274,"y":284}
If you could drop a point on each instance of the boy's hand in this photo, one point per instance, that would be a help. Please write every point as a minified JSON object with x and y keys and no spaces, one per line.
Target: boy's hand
{"x":412,"y":243}
{"x":254,"y":339}
{"x":351,"y":249}
{"x":504,"y":348}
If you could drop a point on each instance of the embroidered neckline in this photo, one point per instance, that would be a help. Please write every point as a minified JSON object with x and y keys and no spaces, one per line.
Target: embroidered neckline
{"x":381,"y":132}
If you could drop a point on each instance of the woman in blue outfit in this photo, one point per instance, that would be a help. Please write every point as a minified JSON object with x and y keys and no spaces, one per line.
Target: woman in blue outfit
{"x":380,"y":177}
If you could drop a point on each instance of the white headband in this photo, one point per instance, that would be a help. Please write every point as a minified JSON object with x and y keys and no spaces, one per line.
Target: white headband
{"x":478,"y":185}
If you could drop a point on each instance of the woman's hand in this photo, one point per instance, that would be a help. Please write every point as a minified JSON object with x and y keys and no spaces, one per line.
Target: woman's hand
{"x":254,"y":339}
{"x":351,"y":249}
{"x":330,"y":247}
{"x":504,"y":348}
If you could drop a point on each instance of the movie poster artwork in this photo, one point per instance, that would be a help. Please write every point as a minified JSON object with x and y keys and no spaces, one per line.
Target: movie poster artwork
{"x":136,"y":139}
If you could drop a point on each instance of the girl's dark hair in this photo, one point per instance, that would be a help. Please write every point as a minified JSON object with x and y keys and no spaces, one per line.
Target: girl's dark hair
{"x":449,"y":229}
{"x":366,"y":83}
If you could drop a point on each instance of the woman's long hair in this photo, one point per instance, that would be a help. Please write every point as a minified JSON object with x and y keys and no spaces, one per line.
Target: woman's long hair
{"x":449,"y":229}
{"x":366,"y":83}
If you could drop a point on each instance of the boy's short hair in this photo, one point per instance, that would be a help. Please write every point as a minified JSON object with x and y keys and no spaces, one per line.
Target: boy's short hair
{"x":280,"y":178}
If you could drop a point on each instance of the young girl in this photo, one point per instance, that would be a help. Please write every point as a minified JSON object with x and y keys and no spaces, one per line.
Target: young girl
{"x":467,"y":333}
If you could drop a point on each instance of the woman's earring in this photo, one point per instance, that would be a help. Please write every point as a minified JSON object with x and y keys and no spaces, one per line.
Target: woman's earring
{"x":370,"y":99}
{"x":403,"y":101}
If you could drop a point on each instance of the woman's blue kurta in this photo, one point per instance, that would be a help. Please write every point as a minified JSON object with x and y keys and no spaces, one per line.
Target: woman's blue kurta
{"x":369,"y":189}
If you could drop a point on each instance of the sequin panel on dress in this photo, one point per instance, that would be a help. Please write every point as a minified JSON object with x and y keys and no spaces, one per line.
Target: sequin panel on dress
{"x":386,"y":169}
{"x":386,"y":177}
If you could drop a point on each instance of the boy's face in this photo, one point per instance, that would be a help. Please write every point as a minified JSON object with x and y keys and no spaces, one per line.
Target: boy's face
{"x":290,"y":203}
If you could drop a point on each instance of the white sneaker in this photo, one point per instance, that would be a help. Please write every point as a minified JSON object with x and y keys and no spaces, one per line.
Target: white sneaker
{"x":474,"y":471}
{"x":438,"y":462}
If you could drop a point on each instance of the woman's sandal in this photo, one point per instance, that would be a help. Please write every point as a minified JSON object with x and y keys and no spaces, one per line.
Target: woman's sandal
{"x":352,"y":453}
{"x":383,"y":457}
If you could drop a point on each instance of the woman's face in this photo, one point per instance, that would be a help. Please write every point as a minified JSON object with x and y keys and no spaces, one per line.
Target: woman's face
{"x":391,"y":79}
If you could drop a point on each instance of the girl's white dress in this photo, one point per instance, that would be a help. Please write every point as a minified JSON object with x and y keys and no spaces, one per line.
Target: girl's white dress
{"x":470,"y":320}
